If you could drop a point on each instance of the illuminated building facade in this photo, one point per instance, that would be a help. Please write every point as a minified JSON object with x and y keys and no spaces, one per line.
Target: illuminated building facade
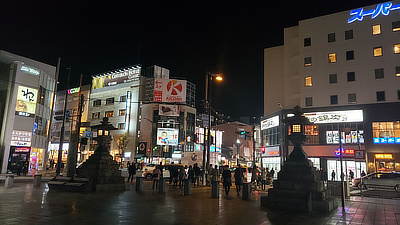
{"x":343,"y":69}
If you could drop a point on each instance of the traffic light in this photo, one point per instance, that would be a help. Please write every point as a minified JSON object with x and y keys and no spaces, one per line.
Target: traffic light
{"x":262,"y":149}
{"x":243,"y":132}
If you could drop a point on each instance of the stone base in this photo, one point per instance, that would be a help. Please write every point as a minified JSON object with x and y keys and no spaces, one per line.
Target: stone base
{"x":288,"y":200}
{"x":68,"y":185}
{"x":326,"y":205}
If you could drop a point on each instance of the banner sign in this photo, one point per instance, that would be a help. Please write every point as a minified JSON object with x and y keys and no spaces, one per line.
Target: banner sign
{"x":120,"y":76}
{"x":168,"y":110}
{"x":270,"y":122}
{"x":167,"y":136}
{"x":21,"y":138}
{"x":167,"y":90}
{"x":26,"y":101}
{"x":335,"y":116}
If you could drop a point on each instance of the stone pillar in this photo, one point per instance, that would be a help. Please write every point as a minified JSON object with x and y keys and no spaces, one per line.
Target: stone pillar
{"x":187,"y":188}
{"x":139,"y":183}
{"x":162,"y":185}
{"x":215,"y":189}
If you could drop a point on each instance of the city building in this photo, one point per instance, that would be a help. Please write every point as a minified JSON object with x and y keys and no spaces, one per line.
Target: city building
{"x":72,"y":96}
{"x":26,"y":102}
{"x":343,"y":69}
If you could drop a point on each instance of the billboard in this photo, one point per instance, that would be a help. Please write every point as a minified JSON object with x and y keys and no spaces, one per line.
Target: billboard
{"x":169,"y":90}
{"x":26,"y":101}
{"x":117,"y":77}
{"x":335,"y":116}
{"x":270,"y":122}
{"x":21,"y":138}
{"x":168,"y":110}
{"x":167,"y":136}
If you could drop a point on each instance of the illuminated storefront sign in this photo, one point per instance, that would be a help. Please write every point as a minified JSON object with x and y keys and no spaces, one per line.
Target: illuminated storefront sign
{"x":384,"y":9}
{"x":344,"y":151}
{"x":74,"y":90}
{"x":168,"y":90}
{"x":21,"y":138}
{"x":26,"y":101}
{"x":270,"y":122}
{"x":383,"y":156}
{"x":353,"y":137}
{"x":167,"y":136}
{"x":386,"y":132}
{"x":270,"y":151}
{"x":125,"y":75}
{"x":30,"y":70}
{"x":335,"y":116}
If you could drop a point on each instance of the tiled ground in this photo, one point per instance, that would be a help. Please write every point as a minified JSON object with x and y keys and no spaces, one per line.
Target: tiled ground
{"x":25,"y":204}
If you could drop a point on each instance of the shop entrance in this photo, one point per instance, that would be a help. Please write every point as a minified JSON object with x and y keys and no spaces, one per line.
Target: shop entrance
{"x":356,"y":167}
{"x":272,"y":162}
{"x":19,"y":159}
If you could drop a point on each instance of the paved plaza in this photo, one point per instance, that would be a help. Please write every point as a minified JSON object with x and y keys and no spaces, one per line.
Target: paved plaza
{"x":26,"y":204}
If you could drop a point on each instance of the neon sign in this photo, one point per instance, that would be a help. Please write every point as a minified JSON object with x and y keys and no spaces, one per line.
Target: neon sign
{"x":73,"y":90}
{"x":384,"y":9}
{"x":30,"y":70}
{"x":344,"y":151}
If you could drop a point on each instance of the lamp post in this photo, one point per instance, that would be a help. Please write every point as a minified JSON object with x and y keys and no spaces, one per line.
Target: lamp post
{"x":238,"y":151}
{"x":206,"y":157}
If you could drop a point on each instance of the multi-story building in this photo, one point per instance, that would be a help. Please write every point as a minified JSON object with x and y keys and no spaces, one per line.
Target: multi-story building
{"x":26,"y":99}
{"x":343,"y":69}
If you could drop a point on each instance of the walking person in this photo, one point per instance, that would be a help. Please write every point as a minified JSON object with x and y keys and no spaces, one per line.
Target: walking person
{"x":191,"y":176}
{"x":263,"y":178}
{"x":227,"y":180}
{"x":197,"y":174}
{"x":131,"y":171}
{"x":156,"y":176}
{"x":254,"y":176}
{"x":181,"y":176}
{"x":333,"y":175}
{"x":238,"y":178}
{"x":351,"y":174}
{"x":272,"y":173}
{"x":215,"y":174}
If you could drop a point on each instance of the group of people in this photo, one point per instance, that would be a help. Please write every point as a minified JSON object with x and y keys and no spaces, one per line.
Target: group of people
{"x":351,"y":175}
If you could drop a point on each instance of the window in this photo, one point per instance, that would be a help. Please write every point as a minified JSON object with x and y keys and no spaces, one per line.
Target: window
{"x":376,"y":29}
{"x":379,"y":73}
{"x":349,"y":55}
{"x":122,"y":112}
{"x":398,"y":94}
{"x":378,"y":51}
{"x":109,"y":114}
{"x":312,"y":133}
{"x":348,"y":34}
{"x":122,"y":98}
{"x":307,"y":61}
{"x":96,"y":103}
{"x":308,"y":81}
{"x":332,"y":57}
{"x":333,"y":78}
{"x":109,"y":101}
{"x":352,"y":98}
{"x":396,"y":26}
{"x":121,"y":126}
{"x":96,"y":115}
{"x":351,"y":76}
{"x":334,"y":99}
{"x":380,"y":96}
{"x":397,"y":49}
{"x":397,"y":71}
{"x":331,"y":37}
{"x":309,"y":101}
{"x":307,"y":42}
{"x":386,"y":132}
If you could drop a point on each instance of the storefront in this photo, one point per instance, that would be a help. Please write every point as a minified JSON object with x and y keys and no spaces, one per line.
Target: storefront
{"x":271,"y":159}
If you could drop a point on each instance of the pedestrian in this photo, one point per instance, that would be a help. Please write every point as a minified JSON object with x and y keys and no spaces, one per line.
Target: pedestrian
{"x":181,"y":176}
{"x":238,"y":178}
{"x":191,"y":176}
{"x":351,"y":174}
{"x":215,"y":174}
{"x":209,"y":174}
{"x":131,"y":171}
{"x":197,"y":173}
{"x":263,"y":178}
{"x":175,"y":176}
{"x":333,"y":175}
{"x":254,"y":176}
{"x":156,"y":176}
{"x":227,"y":183}
{"x":272,"y":173}
{"x":363,"y":173}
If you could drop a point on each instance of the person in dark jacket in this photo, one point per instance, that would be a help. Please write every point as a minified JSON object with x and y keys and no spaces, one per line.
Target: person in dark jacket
{"x":238,"y":178}
{"x":131,"y":171}
{"x":197,"y":173}
{"x":227,"y":180}
{"x":191,"y":174}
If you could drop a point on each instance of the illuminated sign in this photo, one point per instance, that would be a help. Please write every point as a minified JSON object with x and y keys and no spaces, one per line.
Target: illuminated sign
{"x":167,"y":136}
{"x":168,"y":110}
{"x":353,"y":137}
{"x":344,"y":151}
{"x":335,"y":116}
{"x":125,"y":75}
{"x":386,"y":140}
{"x":30,"y":70}
{"x":167,"y":90}
{"x":21,"y":138}
{"x":74,"y":90}
{"x":270,"y":151}
{"x":270,"y":122}
{"x":383,"y":156}
{"x":22,"y":149}
{"x":384,"y":9}
{"x":26,"y":101}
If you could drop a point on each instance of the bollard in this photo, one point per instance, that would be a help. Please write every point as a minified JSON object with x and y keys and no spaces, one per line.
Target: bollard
{"x":9,"y":183}
{"x":37,"y":180}
{"x":215,"y":189}
{"x":187,"y":187}
{"x":162,"y":185}
{"x":246,"y":191}
{"x":139,"y":183}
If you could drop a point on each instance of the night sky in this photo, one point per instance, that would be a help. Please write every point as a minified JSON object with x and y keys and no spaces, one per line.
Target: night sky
{"x":187,"y":37}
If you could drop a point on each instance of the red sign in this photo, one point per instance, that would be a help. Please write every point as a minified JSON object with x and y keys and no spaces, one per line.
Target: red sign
{"x":344,"y":151}
{"x":22,"y":149}
{"x":273,"y":153}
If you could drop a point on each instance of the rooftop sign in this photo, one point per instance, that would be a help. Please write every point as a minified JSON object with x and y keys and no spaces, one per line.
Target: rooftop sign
{"x":335,"y":116}
{"x":116,"y":77}
{"x":30,"y":70}
{"x":384,"y":9}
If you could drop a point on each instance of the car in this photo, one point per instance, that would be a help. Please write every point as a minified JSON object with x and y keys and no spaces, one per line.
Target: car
{"x":379,"y":180}
{"x":147,"y":171}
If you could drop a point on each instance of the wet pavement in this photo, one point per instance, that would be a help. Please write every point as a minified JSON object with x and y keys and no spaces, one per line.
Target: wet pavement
{"x":25,"y":204}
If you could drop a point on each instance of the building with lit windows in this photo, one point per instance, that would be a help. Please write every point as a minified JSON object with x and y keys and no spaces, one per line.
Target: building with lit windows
{"x":343,"y":69}
{"x":26,"y":99}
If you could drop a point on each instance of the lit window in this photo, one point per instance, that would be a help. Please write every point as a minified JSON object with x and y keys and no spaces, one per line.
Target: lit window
{"x":332,"y":57}
{"x":376,"y":29}
{"x":378,"y":51}
{"x":109,"y":114}
{"x":308,"y":81}
{"x":308,"y":101}
{"x":307,"y":42}
{"x":334,"y":99}
{"x":396,"y":26}
{"x":122,"y":112}
{"x":352,"y":98}
{"x":307,"y":61}
{"x":397,"y":71}
{"x":397,"y":49}
{"x":121,"y":126}
{"x":296,"y":128}
{"x":380,"y":96}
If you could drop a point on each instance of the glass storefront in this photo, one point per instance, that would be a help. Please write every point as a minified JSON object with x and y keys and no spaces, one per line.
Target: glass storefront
{"x":272,"y":162}
{"x":334,"y":165}
{"x":36,"y":159}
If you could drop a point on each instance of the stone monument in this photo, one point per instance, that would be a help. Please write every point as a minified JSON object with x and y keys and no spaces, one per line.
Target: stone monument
{"x":299,"y":186}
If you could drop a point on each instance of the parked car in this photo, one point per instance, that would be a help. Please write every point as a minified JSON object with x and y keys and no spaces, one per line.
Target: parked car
{"x":379,"y":181}
{"x":147,"y":171}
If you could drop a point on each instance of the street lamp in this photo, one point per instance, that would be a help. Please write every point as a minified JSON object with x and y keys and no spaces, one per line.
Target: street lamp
{"x":238,"y":151}
{"x":209,"y":78}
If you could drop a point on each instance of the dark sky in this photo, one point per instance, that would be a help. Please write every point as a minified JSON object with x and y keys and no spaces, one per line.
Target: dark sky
{"x":187,"y":37}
